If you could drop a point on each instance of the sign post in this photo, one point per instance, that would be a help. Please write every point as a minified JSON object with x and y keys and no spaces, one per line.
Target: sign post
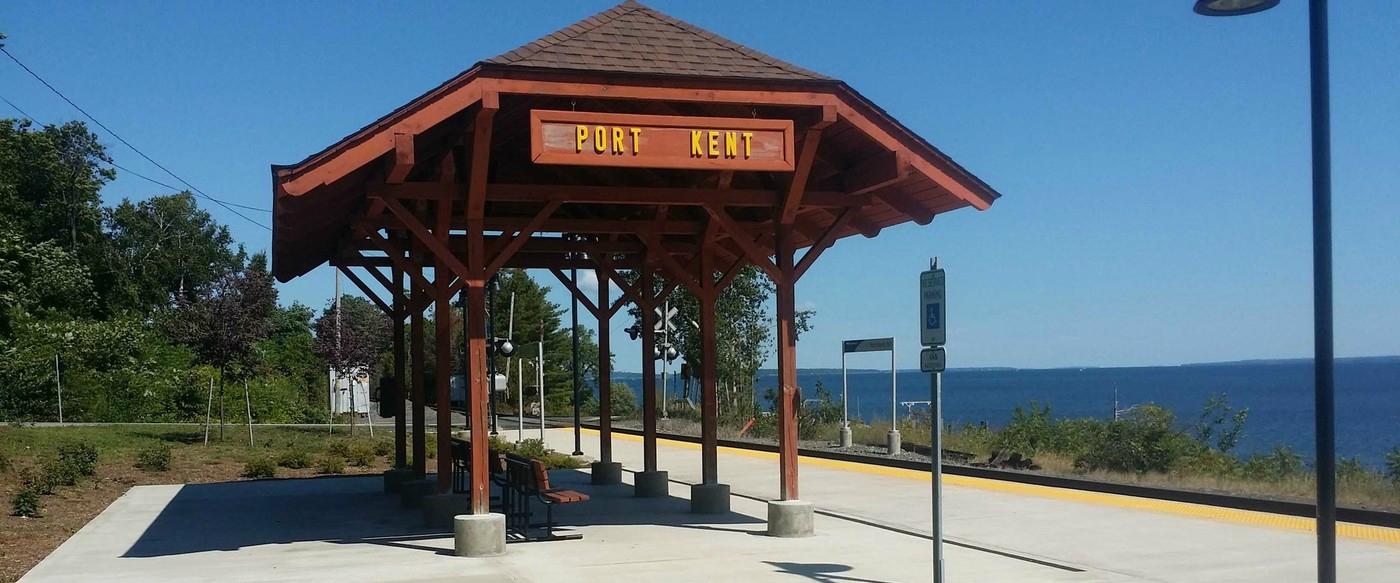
{"x":870,"y":345}
{"x":933,"y":312}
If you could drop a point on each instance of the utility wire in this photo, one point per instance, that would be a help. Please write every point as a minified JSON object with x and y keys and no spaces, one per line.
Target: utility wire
{"x":227,"y":206}
{"x":124,"y":168}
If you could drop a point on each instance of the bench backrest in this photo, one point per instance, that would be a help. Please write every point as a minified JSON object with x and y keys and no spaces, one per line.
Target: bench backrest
{"x":527,"y":474}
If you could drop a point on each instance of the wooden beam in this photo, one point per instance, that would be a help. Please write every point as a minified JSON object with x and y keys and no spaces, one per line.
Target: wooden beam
{"x":876,"y":172}
{"x":481,"y":155}
{"x":676,"y":271}
{"x":822,"y":243}
{"x":806,"y":154}
{"x":573,"y":289}
{"x":396,"y":256}
{"x":438,"y":247}
{"x":369,"y":293}
{"x":566,"y":225}
{"x":906,"y":206}
{"x":591,"y":194}
{"x":745,"y":240}
{"x":516,"y":242}
{"x":403,"y":159}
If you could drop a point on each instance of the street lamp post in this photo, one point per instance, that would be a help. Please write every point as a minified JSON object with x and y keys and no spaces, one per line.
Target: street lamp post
{"x":1323,"y":394}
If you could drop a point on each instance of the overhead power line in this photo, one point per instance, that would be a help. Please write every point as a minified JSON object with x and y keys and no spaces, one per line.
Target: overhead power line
{"x":228,"y":206}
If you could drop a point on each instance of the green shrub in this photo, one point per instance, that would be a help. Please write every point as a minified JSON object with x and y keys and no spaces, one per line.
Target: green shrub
{"x":79,"y":458}
{"x":1274,"y":466}
{"x":294,"y":459}
{"x":25,"y":503}
{"x":155,"y":458}
{"x":58,"y":473}
{"x":38,"y":481}
{"x":1392,"y":465}
{"x":383,"y":447}
{"x":1142,"y":441}
{"x":330,"y":464}
{"x":532,"y":448}
{"x":1030,"y":430}
{"x":259,"y":467}
{"x":622,"y":400}
{"x":361,"y":455}
{"x":1350,"y":469}
{"x":340,"y":447}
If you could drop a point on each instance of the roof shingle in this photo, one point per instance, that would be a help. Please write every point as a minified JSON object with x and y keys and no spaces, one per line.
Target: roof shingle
{"x":632,"y":38}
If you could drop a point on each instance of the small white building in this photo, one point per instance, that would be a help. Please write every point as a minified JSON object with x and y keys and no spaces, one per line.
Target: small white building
{"x":350,"y":392}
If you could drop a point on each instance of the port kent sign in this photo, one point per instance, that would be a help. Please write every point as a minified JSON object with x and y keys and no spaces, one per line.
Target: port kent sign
{"x":585,"y":138}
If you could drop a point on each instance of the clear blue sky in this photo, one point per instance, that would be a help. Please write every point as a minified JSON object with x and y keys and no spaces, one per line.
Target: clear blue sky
{"x":1154,"y":163}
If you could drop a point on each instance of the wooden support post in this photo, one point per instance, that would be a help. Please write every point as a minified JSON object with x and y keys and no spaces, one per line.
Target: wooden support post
{"x":416,"y":331}
{"x":400,"y":378}
{"x":475,"y":314}
{"x":645,"y":305}
{"x":604,"y":370}
{"x":709,"y":399}
{"x":787,"y":363}
{"x":442,"y":378}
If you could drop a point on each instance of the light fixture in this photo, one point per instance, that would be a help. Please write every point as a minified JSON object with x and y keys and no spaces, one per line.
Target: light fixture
{"x":1233,"y":7}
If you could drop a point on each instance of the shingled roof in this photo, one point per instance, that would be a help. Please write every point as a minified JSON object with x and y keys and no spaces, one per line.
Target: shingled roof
{"x":632,"y":38}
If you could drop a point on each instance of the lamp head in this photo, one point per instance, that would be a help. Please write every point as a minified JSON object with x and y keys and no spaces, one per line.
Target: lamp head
{"x":1232,"y":7}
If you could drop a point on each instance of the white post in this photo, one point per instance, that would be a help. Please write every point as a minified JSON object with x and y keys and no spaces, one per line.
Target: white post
{"x":330,"y":405}
{"x":894,"y":376}
{"x":58,"y":380}
{"x":520,"y":400}
{"x":370,"y":414}
{"x":539,"y":369}
{"x":209,"y":411}
{"x":845,"y":435}
{"x":248,"y":406}
{"x":936,"y":452}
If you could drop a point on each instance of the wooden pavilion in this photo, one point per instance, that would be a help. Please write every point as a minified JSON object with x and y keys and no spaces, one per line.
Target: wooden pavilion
{"x":656,"y":147}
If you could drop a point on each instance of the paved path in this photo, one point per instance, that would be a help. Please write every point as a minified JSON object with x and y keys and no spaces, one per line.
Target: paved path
{"x":1108,"y":535}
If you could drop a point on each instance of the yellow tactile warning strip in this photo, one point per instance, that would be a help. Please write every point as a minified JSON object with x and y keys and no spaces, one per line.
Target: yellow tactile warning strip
{"x":1346,"y":529}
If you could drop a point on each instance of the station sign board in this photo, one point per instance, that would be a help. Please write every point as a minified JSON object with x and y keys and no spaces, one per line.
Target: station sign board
{"x":588,"y":138}
{"x":933,"y":308}
{"x":867,"y":345}
{"x":933,"y":359}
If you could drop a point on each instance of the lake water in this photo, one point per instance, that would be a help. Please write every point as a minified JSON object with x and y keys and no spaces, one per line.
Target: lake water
{"x":1279,"y":396}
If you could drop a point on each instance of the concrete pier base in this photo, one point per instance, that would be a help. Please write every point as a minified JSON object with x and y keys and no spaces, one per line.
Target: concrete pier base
{"x":845,"y":436}
{"x":654,"y":484}
{"x":606,"y":473}
{"x":411,"y":492}
{"x":709,"y":498}
{"x":439,"y":509}
{"x":394,"y":479}
{"x":479,"y":535}
{"x":790,"y":518}
{"x":892,"y":442}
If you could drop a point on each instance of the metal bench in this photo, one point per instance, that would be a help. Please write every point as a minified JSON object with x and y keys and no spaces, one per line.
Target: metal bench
{"x":527,"y":480}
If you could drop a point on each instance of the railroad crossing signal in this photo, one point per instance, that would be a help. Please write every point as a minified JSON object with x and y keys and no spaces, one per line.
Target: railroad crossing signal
{"x":664,"y":320}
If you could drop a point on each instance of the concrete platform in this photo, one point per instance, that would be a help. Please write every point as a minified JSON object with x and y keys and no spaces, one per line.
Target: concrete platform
{"x":870,"y":526}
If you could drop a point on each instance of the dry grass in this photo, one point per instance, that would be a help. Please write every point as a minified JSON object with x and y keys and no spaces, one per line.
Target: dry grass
{"x":25,"y":541}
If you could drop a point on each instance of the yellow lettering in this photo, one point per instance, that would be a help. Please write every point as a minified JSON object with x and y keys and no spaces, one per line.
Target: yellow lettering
{"x":748,"y":144}
{"x":714,"y":144}
{"x":582,"y":137}
{"x":600,"y":139}
{"x":619,"y":146}
{"x":695,"y":150}
{"x":731,"y":144}
{"x":636,"y":137}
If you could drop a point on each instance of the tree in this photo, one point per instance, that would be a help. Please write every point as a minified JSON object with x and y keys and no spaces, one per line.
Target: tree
{"x":43,"y":280}
{"x":351,"y":335}
{"x":536,"y":317}
{"x":225,"y":322}
{"x":49,"y":183}
{"x":165,"y":247}
{"x":743,"y":329}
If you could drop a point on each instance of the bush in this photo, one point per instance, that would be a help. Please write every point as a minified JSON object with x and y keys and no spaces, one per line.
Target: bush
{"x":340,"y":447}
{"x":1350,"y":469}
{"x":1142,"y":441}
{"x":294,"y":459}
{"x":1392,"y":464}
{"x":1030,"y":430}
{"x":79,"y":458}
{"x":361,"y":455}
{"x":57,"y":473}
{"x":1274,"y":466}
{"x":383,"y":447}
{"x":622,"y":400}
{"x":330,"y":464}
{"x":154,"y":459}
{"x":25,"y":503}
{"x":39,"y":482}
{"x":260,"y":467}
